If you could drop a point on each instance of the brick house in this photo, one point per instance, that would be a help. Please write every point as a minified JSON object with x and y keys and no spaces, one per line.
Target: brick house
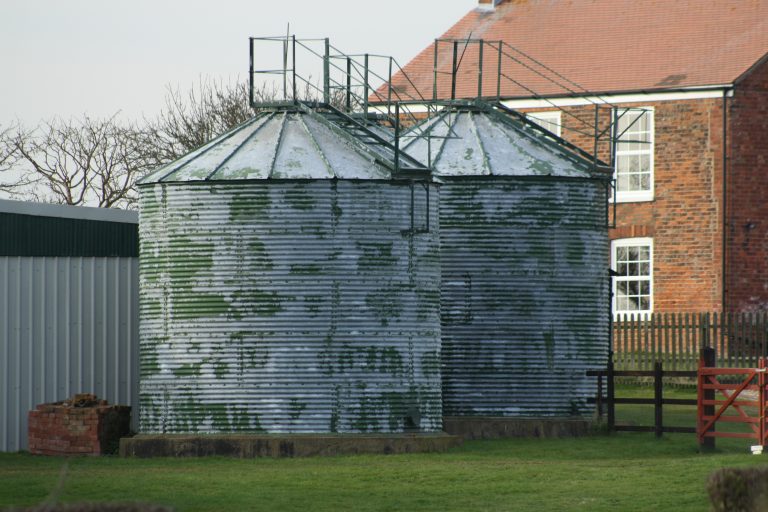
{"x":686,"y":82}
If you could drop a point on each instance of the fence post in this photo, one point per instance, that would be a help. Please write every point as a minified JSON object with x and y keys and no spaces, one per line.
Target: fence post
{"x":658,"y":373}
{"x":761,"y":399}
{"x":610,"y":398}
{"x":707,"y":361}
{"x":705,"y":334}
{"x":599,"y":400}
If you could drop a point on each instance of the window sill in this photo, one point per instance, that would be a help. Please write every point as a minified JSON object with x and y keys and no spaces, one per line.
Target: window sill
{"x":639,"y":198}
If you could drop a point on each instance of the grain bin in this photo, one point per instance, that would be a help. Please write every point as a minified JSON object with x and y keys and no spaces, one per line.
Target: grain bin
{"x":524,"y":280}
{"x":289,"y":284}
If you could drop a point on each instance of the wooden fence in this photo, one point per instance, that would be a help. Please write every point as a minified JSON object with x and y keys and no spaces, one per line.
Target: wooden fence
{"x":609,"y":399}
{"x":739,"y":339}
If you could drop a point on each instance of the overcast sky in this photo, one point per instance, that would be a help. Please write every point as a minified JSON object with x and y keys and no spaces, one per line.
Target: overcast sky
{"x":66,"y":58}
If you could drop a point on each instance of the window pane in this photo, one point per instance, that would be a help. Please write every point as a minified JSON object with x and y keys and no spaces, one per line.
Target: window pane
{"x":634,"y":150}
{"x":623,"y":183}
{"x":645,"y":182}
{"x":633,"y":284}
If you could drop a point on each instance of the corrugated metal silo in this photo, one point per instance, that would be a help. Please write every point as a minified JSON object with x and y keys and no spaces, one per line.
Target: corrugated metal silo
{"x":289,"y":284}
{"x":524,"y":281}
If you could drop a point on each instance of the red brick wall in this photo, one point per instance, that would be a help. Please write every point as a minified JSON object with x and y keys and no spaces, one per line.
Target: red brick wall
{"x":747,"y":257}
{"x":684,"y":219}
{"x":55,"y":429}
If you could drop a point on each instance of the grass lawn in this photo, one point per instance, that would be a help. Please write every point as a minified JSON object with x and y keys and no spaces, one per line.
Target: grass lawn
{"x":626,"y":471}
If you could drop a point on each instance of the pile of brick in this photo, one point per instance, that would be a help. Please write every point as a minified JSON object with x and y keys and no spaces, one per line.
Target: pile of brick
{"x":81,"y":425}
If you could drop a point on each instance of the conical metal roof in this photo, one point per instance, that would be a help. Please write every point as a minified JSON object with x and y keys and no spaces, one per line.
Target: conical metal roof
{"x":277,"y":145}
{"x":476,"y":142}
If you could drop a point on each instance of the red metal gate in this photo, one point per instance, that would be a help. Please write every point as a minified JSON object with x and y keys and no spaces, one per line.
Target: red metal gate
{"x":744,"y":397}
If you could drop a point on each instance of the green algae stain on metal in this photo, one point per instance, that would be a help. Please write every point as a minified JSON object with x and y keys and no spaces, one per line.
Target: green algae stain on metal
{"x":313,"y":304}
{"x":382,"y":359}
{"x":189,"y":369}
{"x":231,"y":418}
{"x":306,"y":269}
{"x":243,"y":420}
{"x":542,"y":167}
{"x":248,"y":206}
{"x":295,"y":408}
{"x":218,"y":415}
{"x":575,"y":250}
{"x":260,"y":302}
{"x":259,"y":256}
{"x":549,"y":347}
{"x":151,"y":307}
{"x":468,"y":204}
{"x":194,"y":262}
{"x":365,"y":412}
{"x":149,"y":358}
{"x":201,"y":305}
{"x":375,"y":254}
{"x":430,"y":363}
{"x":386,"y":302}
{"x":333,"y":424}
{"x":250,"y":353}
{"x":220,"y":369}
{"x":299,"y":199}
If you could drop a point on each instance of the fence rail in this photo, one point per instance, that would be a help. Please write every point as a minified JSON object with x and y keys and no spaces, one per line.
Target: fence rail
{"x":739,"y":339}
{"x":658,"y":401}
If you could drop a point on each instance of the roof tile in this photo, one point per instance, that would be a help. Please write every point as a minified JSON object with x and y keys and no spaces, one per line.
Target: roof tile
{"x":601,"y":46}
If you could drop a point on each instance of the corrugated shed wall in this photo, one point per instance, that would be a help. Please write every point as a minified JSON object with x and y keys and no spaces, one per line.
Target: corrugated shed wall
{"x":67,"y":325}
{"x":32,"y":235}
{"x":524,"y":294}
{"x":289,"y":307}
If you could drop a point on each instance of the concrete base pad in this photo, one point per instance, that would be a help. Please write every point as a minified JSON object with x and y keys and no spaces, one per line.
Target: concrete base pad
{"x":493,"y":427}
{"x":275,"y":445}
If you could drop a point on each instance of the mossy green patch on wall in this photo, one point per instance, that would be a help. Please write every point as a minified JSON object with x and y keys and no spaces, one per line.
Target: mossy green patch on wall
{"x":299,"y":198}
{"x":375,"y":254}
{"x":386,"y":302}
{"x":249,"y":205}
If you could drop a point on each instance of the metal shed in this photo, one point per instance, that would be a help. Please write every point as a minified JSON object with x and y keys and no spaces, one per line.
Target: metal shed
{"x":68,"y":309}
{"x":524,"y":281}
{"x":289,"y":284}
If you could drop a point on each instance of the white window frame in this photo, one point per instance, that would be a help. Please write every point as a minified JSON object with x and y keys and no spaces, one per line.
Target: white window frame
{"x":632,"y":242}
{"x":637,"y":195}
{"x":547,"y":119}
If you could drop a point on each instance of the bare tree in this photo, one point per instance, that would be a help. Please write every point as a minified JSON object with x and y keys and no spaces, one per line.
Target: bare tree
{"x":98,"y":161}
{"x":78,"y":162}
{"x":7,"y":151}
{"x":195,"y":117}
{"x":10,"y":180}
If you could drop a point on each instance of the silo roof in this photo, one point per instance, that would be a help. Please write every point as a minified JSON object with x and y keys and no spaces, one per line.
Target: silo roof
{"x":277,"y":145}
{"x":475,"y":142}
